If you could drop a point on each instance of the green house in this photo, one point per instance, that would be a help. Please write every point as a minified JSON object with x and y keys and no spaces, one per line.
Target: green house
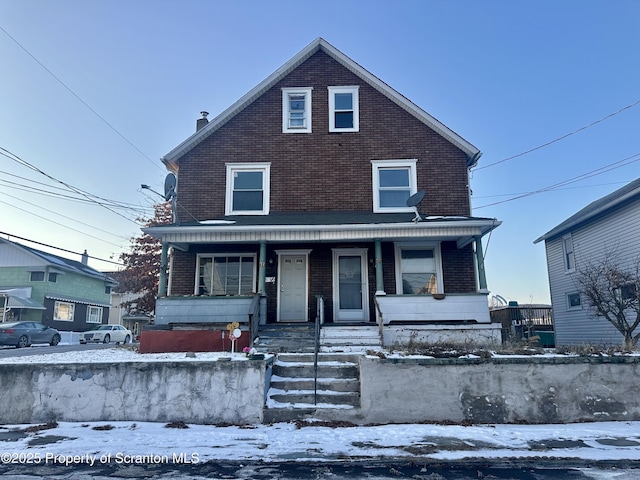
{"x":59,"y":292}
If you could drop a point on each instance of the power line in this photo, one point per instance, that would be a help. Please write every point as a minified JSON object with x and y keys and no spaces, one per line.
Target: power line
{"x":606,"y":117}
{"x":61,"y":225}
{"x":10,"y":235}
{"x":599,"y":171}
{"x":80,"y":99}
{"x":88,"y":196}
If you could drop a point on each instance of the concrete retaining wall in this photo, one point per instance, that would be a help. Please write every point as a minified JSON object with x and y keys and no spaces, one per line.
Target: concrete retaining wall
{"x":500,"y":390}
{"x":194,"y":392}
{"x":393,"y":390}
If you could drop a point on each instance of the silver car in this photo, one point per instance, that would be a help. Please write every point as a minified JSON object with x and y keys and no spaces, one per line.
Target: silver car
{"x":23,"y":334}
{"x":107,"y":334}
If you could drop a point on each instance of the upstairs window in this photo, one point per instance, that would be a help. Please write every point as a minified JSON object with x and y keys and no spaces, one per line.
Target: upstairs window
{"x":36,"y":276}
{"x":567,"y":250}
{"x":394,"y":181}
{"x":53,"y":277}
{"x":344,"y":115}
{"x":248,"y":189}
{"x":296,"y":110}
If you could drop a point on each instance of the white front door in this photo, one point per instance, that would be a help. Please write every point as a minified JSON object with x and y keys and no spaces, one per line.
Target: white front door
{"x":350,"y":285}
{"x":292,"y":287}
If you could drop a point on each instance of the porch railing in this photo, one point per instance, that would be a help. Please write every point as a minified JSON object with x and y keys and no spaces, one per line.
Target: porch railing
{"x":254,"y":318}
{"x":319,"y":322}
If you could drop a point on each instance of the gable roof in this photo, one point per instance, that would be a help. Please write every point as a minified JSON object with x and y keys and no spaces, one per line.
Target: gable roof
{"x":319,"y":44}
{"x":595,"y":209}
{"x":61,"y":262}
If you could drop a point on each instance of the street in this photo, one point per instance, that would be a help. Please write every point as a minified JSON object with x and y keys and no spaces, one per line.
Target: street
{"x":474,"y":469}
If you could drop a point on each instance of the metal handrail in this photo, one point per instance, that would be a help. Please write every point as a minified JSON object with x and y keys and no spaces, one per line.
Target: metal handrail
{"x":254,"y":318}
{"x":318,"y":323}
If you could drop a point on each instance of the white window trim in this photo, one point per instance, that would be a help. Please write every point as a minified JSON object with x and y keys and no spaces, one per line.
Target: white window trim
{"x":266,"y":182}
{"x":418,"y":246}
{"x":225,"y":254}
{"x":569,"y":307}
{"x":99,"y":309}
{"x":376,"y":165}
{"x":564,"y":254}
{"x":356,"y":108}
{"x":286,"y":92}
{"x":72,"y":308}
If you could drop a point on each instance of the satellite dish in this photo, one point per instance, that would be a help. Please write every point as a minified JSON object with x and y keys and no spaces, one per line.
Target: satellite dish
{"x":413,"y":201}
{"x":170,"y":194}
{"x":170,"y":186}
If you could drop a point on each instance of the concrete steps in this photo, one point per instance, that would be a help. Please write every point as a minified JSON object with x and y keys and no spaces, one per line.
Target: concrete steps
{"x":288,"y":337}
{"x":350,"y":338}
{"x":293,"y":395}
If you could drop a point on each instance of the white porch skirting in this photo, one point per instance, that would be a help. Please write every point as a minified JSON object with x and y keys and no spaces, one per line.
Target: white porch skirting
{"x":426,"y":308}
{"x":478,"y":334}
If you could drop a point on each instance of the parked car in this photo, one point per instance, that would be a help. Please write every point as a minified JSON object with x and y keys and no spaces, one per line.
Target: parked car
{"x":107,"y":334}
{"x":24,"y":334}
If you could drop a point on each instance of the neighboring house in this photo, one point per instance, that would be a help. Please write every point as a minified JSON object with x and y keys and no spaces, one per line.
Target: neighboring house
{"x":298,"y":193}
{"x":59,"y":292}
{"x":119,"y":314}
{"x":610,"y":224}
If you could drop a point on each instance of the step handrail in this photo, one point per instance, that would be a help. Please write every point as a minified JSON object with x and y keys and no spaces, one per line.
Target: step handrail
{"x":318,"y":323}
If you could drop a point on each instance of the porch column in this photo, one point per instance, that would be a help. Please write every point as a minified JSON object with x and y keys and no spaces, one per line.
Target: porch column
{"x":262,"y":268}
{"x":162,"y":281}
{"x":379,"y":277}
{"x":482,"y":279}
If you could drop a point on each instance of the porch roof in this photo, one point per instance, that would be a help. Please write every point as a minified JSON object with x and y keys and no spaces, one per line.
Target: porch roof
{"x":324,"y":227}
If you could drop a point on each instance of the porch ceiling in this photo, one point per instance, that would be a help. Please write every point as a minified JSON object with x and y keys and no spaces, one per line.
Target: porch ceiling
{"x":290,"y":229}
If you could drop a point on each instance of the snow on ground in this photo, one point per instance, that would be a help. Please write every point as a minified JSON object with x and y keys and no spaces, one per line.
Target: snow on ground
{"x":132,"y":441}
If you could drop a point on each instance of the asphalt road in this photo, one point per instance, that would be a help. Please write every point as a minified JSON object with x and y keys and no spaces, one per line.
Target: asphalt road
{"x":6,"y":351}
{"x":526,"y":470}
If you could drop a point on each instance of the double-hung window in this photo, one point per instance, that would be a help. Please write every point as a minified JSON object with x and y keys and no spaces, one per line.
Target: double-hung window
{"x":344,"y":113}
{"x":418,"y":269}
{"x":94,"y":314}
{"x":63,"y":311}
{"x":394,"y":181}
{"x":226,"y":274}
{"x":247,"y":189}
{"x":296,"y":110}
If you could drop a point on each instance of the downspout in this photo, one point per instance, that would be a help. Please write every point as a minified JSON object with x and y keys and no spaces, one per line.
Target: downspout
{"x":482,"y":279}
{"x":378,"y":264}
{"x":262,"y":268}
{"x":162,"y":281}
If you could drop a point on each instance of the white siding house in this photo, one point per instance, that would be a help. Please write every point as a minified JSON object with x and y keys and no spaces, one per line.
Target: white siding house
{"x":608,"y":225}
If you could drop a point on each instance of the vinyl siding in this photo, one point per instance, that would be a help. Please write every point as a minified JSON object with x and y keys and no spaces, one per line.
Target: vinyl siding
{"x":618,"y":230}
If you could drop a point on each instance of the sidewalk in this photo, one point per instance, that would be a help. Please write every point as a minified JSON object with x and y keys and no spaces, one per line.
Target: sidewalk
{"x":144,"y":443}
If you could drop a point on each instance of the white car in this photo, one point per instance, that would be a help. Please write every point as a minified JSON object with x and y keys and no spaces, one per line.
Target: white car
{"x":107,"y":334}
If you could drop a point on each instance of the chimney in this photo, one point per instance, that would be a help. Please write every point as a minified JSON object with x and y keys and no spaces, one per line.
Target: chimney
{"x":202,"y":121}
{"x":85,"y":258}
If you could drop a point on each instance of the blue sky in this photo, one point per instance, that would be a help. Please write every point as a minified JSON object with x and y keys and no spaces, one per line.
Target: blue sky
{"x":94,"y":93}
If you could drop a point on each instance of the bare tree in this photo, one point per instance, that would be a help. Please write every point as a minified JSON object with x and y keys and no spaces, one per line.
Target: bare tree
{"x":142,"y":264}
{"x":613,"y":292}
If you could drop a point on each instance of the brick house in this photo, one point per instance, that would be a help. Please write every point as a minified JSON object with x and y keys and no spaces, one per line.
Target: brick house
{"x":292,"y":205}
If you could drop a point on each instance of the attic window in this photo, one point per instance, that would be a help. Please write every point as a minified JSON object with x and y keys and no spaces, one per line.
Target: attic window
{"x":344,"y":114}
{"x":296,"y":110}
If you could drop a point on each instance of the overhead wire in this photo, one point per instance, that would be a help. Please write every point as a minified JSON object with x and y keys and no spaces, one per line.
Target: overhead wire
{"x":607,"y":168}
{"x":606,"y":117}
{"x":79,"y":98}
{"x":10,"y":235}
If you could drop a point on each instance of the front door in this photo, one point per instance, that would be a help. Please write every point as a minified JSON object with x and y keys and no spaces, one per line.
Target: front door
{"x":292,"y":287}
{"x":350,"y":285}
